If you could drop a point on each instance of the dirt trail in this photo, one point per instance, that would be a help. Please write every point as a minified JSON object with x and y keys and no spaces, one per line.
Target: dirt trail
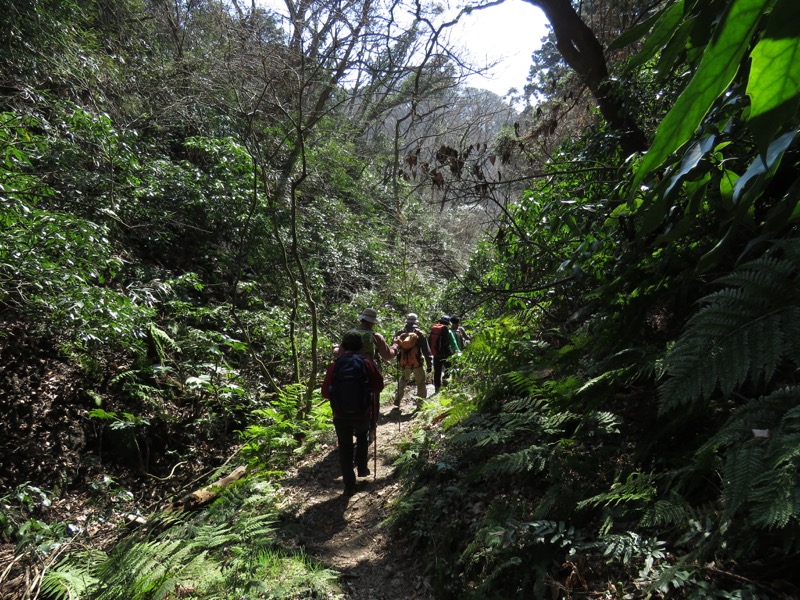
{"x":347,"y":534}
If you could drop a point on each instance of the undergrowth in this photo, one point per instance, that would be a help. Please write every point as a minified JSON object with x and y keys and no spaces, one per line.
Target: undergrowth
{"x":228,"y":551}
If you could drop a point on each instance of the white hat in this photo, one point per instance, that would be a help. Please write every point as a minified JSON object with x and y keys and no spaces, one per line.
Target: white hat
{"x":411,"y":318}
{"x":370,"y":315}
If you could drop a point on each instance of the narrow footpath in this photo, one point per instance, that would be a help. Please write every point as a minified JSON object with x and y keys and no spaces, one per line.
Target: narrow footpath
{"x":347,"y":534}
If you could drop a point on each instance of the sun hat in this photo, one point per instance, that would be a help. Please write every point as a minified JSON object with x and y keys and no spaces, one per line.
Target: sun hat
{"x":370,"y":315}
{"x":412,"y":318}
{"x":445,"y":320}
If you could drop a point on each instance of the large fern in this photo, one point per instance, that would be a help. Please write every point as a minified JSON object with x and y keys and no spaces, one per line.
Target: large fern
{"x":226,"y":551}
{"x":760,"y":446}
{"x":743,"y":332}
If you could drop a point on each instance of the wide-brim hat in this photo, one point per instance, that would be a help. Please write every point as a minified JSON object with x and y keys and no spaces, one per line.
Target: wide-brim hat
{"x":445,"y":320}
{"x":412,"y":318}
{"x":370,"y":315}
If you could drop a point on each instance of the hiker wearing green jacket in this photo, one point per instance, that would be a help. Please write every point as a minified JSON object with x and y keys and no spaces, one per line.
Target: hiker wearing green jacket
{"x":374,"y":345}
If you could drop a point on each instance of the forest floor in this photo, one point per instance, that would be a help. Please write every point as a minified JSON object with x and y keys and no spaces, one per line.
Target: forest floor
{"x":348,"y":533}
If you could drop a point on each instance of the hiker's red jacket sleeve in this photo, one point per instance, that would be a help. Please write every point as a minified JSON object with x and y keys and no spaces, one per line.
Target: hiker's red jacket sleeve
{"x":326,"y":383}
{"x":375,"y":377}
{"x":376,"y":382}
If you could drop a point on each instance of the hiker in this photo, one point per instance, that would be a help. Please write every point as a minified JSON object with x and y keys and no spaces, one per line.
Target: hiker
{"x":353,"y":386}
{"x":413,"y":358}
{"x":443,"y":346}
{"x":462,"y":338}
{"x":373,"y":344}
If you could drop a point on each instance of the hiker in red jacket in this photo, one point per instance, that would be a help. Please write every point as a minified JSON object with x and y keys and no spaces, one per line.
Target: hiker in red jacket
{"x":353,"y":386}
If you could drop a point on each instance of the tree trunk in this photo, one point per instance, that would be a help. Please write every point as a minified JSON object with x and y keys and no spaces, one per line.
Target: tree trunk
{"x":583,"y":53}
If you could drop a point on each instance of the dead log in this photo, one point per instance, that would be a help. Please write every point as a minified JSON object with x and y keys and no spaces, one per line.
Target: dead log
{"x":209,"y":493}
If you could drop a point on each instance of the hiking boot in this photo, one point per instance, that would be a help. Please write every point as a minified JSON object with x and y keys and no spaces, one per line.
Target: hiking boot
{"x":363,"y":471}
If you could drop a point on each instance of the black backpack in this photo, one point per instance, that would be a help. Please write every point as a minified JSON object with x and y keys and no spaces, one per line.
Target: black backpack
{"x":350,"y":389}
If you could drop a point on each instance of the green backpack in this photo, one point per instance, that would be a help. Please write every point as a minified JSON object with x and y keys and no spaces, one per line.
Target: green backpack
{"x":368,"y":348}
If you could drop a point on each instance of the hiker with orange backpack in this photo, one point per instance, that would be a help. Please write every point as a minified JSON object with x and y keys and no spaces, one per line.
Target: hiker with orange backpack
{"x":413,"y":356}
{"x":353,"y":386}
{"x":443,"y":346}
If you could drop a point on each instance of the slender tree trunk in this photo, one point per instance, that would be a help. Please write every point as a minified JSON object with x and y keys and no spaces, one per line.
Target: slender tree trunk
{"x":285,"y":253}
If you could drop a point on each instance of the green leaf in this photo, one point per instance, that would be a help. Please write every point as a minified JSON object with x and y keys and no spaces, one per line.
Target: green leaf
{"x":663,"y":31}
{"x":673,"y":50}
{"x":717,"y":69}
{"x":691,"y":159}
{"x":774,"y":84}
{"x":636,"y":32}
{"x":763,"y":163}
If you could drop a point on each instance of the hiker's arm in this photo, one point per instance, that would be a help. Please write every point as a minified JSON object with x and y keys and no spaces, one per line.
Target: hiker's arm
{"x":425,"y":348}
{"x":385,"y":351}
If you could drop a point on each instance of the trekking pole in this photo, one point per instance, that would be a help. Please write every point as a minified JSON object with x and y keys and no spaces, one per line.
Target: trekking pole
{"x":399,"y":393}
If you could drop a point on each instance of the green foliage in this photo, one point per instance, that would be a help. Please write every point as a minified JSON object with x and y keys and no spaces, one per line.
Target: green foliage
{"x":592,"y":276}
{"x":274,"y":433}
{"x":744,"y":332}
{"x":209,"y":555}
{"x":717,"y":68}
{"x":758,"y":445}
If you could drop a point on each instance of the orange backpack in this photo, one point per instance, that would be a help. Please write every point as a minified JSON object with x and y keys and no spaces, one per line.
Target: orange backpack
{"x":410,"y":355}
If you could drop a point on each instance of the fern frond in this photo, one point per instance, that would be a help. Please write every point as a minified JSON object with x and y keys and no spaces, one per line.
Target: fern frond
{"x":527,"y":404}
{"x":775,"y":500}
{"x":761,"y":474}
{"x":600,"y":423}
{"x":670,"y":511}
{"x":532,"y":459}
{"x":637,"y":489}
{"x":742,"y":466}
{"x":72,"y":578}
{"x":162,"y":341}
{"x":743,"y":331}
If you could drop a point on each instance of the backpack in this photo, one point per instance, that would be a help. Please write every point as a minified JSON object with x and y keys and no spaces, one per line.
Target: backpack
{"x":410,"y":355}
{"x":440,"y":343}
{"x":368,"y":349}
{"x":350,"y":389}
{"x":458,"y":333}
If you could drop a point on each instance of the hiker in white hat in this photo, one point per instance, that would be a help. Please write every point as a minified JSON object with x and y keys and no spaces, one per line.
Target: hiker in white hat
{"x":413,"y":354}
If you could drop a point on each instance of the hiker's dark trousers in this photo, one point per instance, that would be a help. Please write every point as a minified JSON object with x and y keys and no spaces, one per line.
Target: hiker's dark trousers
{"x":345,"y":431}
{"x":440,"y":366}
